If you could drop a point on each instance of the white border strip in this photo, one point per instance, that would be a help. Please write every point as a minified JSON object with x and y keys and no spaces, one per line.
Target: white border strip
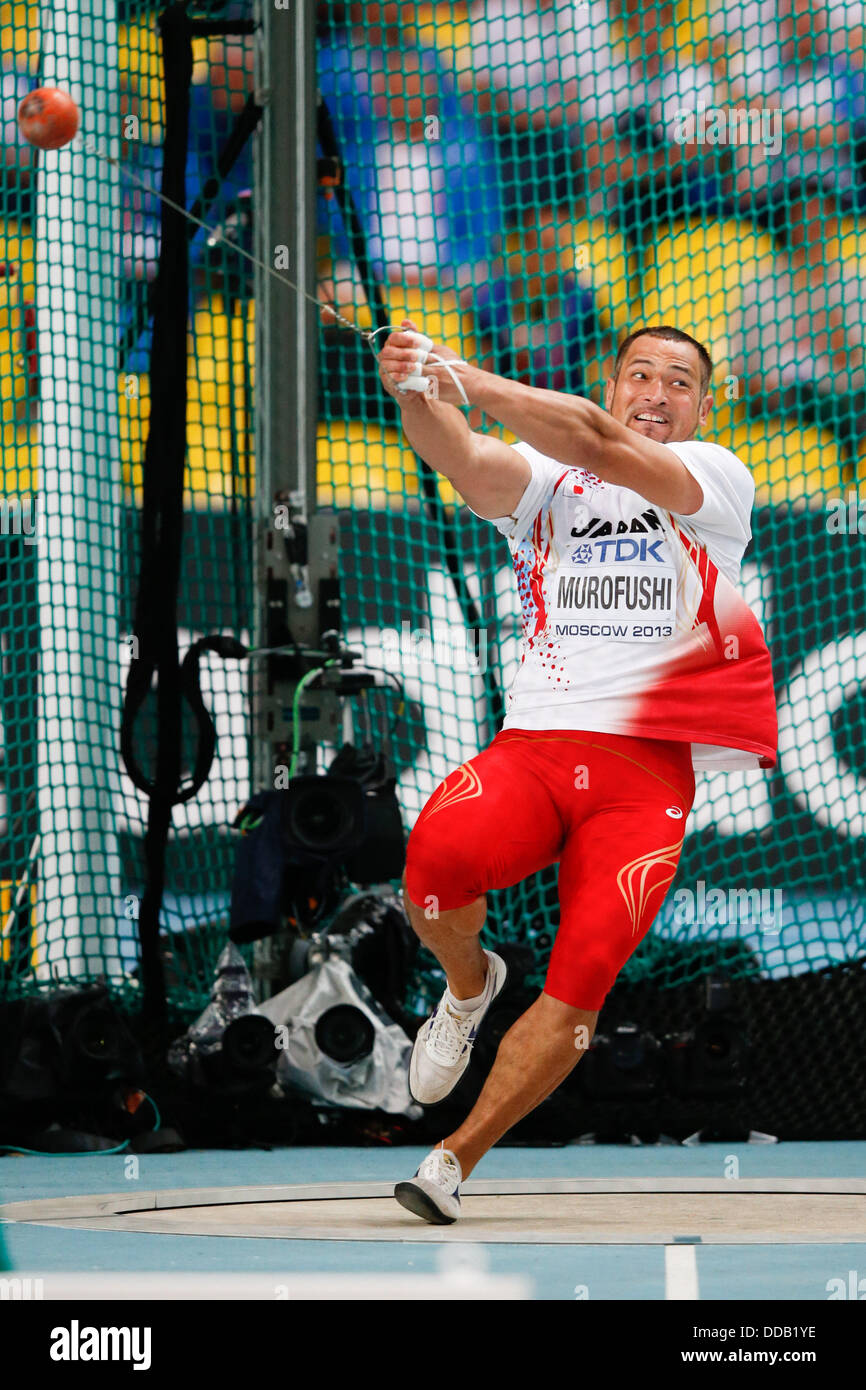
{"x":681,"y":1272}
{"x":274,"y":1287}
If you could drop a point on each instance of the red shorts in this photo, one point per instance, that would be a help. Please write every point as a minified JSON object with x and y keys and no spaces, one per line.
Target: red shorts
{"x":610,"y":810}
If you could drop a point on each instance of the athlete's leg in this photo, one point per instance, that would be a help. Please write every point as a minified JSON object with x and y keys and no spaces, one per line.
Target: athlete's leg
{"x":615,"y":868}
{"x":488,"y":825}
{"x":534,"y":1058}
{"x":453,"y":938}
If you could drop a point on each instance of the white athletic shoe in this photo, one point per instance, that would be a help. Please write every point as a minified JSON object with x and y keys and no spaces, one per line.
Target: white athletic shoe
{"x":434,"y":1192}
{"x":444,"y":1043}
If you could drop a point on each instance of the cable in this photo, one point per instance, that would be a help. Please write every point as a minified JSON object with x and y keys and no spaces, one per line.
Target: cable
{"x":295,"y":649}
{"x":401,"y":708}
{"x":85,"y":1153}
{"x":49,"y":1153}
{"x":296,"y":710}
{"x":219,"y":237}
{"x":155,"y":1110}
{"x":403,"y":702}
{"x":448,"y":539}
{"x":429,"y":484}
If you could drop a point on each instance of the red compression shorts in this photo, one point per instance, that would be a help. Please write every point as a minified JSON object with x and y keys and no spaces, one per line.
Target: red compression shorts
{"x":610,"y":810}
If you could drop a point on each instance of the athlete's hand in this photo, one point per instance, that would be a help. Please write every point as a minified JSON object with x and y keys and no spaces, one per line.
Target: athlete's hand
{"x":399,"y":358}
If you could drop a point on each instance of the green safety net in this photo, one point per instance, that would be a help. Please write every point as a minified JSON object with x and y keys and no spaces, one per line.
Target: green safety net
{"x":533,"y":181}
{"x":79,"y":245}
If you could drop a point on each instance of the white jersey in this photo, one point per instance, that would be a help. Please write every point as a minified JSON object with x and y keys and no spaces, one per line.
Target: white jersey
{"x":632,"y":623}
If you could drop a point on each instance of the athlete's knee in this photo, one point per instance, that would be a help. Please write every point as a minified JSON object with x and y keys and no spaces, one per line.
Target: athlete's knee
{"x":442,"y":872}
{"x":582,"y":982}
{"x":558,"y":1013}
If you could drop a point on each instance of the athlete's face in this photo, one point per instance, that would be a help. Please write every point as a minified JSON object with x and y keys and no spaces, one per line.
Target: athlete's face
{"x":658,"y":391}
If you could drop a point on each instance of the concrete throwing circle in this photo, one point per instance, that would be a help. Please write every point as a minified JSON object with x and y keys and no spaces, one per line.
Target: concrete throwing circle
{"x":588,"y":1211}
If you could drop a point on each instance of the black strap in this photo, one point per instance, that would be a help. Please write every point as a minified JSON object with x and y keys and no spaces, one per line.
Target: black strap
{"x":155,"y":625}
{"x":190,"y":687}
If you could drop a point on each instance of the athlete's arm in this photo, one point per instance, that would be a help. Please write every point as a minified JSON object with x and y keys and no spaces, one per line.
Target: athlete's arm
{"x":570,"y":429}
{"x":579,"y":433}
{"x":490,"y":476}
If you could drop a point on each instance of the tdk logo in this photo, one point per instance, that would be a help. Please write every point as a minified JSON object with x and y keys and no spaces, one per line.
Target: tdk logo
{"x":620,"y":548}
{"x":627,"y":549}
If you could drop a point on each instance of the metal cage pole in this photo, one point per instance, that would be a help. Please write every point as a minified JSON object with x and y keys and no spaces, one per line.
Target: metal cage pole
{"x":289,"y":568}
{"x":285,"y":231}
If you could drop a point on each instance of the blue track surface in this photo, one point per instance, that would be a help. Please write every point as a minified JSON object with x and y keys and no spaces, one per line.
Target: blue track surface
{"x":606,"y":1272}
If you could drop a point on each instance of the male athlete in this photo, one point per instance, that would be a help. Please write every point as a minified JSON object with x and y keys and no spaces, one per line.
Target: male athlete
{"x":640,"y":661}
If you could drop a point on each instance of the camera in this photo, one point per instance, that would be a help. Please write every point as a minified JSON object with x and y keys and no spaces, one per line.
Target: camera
{"x":301,"y":838}
{"x":230,"y":1048}
{"x":623,"y":1064}
{"x":338,"y":1044}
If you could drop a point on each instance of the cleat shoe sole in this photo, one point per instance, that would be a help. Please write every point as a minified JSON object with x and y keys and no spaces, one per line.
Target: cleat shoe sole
{"x":416,"y":1200}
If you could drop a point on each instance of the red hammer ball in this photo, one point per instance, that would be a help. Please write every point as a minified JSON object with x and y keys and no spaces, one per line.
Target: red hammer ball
{"x":48,"y":118}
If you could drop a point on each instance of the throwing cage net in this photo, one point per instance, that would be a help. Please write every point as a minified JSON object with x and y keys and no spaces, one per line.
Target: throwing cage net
{"x":532,"y":182}
{"x":79,"y":242}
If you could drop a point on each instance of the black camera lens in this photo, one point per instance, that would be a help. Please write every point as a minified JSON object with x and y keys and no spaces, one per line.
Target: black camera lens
{"x":345,"y":1034}
{"x":249,"y":1044}
{"x":95,"y":1037}
{"x":322,"y":819}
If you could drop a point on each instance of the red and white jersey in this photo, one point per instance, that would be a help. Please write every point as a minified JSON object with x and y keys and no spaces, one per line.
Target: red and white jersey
{"x":632,"y":621}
